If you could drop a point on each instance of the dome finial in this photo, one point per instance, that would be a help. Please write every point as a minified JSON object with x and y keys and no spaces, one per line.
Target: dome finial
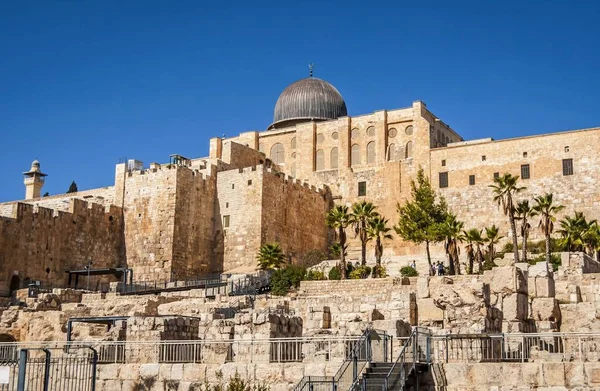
{"x":310,"y":68}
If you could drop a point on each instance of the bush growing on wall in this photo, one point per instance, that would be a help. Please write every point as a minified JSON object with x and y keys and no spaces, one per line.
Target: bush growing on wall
{"x":287,"y":278}
{"x":315,"y":275}
{"x":360,"y":272}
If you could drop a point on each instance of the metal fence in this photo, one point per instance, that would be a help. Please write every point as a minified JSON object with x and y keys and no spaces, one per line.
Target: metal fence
{"x":48,"y":369}
{"x":277,"y":350}
{"x":524,"y":347}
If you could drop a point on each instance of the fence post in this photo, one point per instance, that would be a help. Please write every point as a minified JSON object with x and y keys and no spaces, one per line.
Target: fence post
{"x":46,"y":369}
{"x":580,"y":349}
{"x":522,"y":348}
{"x":94,"y":367}
{"x":447,"y":349}
{"x":428,"y":347}
{"x":354,"y":367}
{"x":22,"y":369}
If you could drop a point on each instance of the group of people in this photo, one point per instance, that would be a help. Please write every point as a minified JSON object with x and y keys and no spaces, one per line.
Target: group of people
{"x":437,"y":268}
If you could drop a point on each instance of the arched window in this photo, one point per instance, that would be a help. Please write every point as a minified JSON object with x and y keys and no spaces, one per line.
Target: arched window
{"x":371,"y":152}
{"x":408,"y":152}
{"x":278,"y":153}
{"x":391,"y":152}
{"x":293,"y":143}
{"x":355,"y":155}
{"x":320,"y":165}
{"x":334,"y":158}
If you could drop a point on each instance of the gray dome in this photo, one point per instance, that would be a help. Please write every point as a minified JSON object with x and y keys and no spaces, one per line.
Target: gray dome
{"x":309,"y":99}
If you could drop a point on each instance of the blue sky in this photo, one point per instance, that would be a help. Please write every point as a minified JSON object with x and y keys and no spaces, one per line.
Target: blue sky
{"x":84,"y":83}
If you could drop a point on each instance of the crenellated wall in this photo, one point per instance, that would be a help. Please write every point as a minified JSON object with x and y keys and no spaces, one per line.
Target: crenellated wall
{"x":262,"y":206}
{"x":168,"y":225}
{"x":38,"y":243}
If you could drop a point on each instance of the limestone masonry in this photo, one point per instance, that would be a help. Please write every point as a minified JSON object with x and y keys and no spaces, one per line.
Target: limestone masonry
{"x":140,"y":245}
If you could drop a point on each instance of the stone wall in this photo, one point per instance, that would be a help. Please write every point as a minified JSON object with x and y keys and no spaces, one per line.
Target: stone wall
{"x":103,"y":196}
{"x":261,"y":206}
{"x":544,"y":154}
{"x":168,"y":221}
{"x":294,"y":215}
{"x":39,"y":244}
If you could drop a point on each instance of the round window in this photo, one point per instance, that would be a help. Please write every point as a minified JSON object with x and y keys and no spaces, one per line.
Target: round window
{"x":392,"y":132}
{"x":409,"y":130}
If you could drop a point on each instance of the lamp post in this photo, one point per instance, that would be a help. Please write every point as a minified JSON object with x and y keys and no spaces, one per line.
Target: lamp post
{"x":88,"y":268}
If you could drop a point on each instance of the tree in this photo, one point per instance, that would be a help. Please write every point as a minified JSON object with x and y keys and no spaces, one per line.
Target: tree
{"x":338,"y":218}
{"x":492,"y":237}
{"x":421,"y":219}
{"x":362,"y":213}
{"x":573,"y":230}
{"x":452,"y":229}
{"x":378,"y":230}
{"x":72,"y":188}
{"x":505,"y":187}
{"x":270,"y":256}
{"x":523,"y":213}
{"x":591,"y":239}
{"x":473,"y":249}
{"x":469,"y":250}
{"x":547,"y":211}
{"x":46,"y":194}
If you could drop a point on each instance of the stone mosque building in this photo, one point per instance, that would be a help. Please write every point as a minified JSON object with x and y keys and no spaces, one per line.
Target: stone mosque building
{"x":195,"y":216}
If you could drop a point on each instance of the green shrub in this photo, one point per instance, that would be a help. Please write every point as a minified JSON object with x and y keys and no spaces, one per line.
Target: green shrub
{"x":314,"y":275}
{"x":488,"y":264}
{"x":379,"y":272}
{"x":360,"y":272}
{"x":335,"y":250}
{"x":334,"y":273}
{"x":285,"y":279}
{"x":408,"y":271}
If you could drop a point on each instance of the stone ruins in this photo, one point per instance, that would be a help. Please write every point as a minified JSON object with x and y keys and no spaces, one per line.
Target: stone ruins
{"x":157,"y":272}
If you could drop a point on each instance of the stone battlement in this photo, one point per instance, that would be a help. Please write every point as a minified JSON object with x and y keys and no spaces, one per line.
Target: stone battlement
{"x":76,"y":207}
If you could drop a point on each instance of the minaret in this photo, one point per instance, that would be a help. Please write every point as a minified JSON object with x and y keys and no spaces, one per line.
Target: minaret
{"x":34,"y":180}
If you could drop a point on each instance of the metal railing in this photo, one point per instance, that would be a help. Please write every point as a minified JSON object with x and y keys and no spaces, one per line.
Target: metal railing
{"x":582,"y":347}
{"x":371,"y":345}
{"x":277,"y":350}
{"x":213,"y":286}
{"x":415,"y":350}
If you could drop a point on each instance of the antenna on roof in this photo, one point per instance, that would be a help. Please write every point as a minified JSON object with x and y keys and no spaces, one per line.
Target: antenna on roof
{"x":310,"y":67}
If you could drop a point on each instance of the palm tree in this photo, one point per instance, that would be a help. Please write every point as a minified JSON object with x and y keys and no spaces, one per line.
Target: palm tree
{"x":270,"y":256}
{"x":362,"y":213}
{"x":523,"y":213}
{"x":453,"y":231}
{"x":338,"y":218}
{"x":547,"y":212}
{"x":492,"y":237}
{"x":473,"y":237}
{"x":469,"y":249}
{"x":591,"y":239}
{"x":573,"y":230}
{"x":505,"y":187}
{"x":378,"y":230}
